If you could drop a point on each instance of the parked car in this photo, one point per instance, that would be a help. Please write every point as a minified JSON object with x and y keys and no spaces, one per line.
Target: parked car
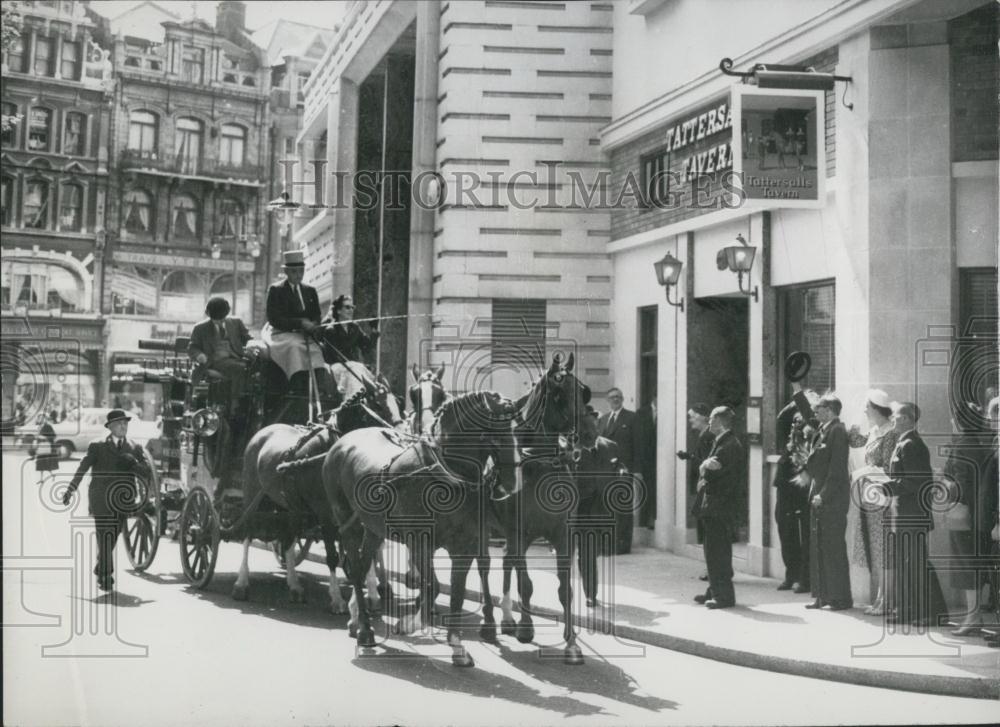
{"x":85,"y":425}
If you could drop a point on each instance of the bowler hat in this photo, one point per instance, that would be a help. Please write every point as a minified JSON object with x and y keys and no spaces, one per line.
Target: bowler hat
{"x":797,"y":365}
{"x":701,"y":408}
{"x":117,"y":415}
{"x":293,"y":259}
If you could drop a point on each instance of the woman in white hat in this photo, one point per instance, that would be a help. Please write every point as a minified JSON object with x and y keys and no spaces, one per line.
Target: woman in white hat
{"x":870,"y":494}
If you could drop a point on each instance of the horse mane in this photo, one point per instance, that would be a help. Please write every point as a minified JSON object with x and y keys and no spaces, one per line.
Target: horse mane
{"x":475,"y":400}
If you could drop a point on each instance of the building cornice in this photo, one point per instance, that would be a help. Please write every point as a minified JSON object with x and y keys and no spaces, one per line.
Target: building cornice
{"x":798,"y":43}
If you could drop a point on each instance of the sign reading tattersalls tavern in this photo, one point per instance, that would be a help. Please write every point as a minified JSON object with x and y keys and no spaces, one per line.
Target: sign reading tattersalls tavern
{"x":779,"y":152}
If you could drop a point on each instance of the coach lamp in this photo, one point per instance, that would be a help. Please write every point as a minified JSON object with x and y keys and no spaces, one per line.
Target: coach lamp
{"x":668,"y":271}
{"x":739,"y":259}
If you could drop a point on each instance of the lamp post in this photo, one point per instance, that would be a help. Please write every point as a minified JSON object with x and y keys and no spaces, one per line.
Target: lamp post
{"x":668,"y":271}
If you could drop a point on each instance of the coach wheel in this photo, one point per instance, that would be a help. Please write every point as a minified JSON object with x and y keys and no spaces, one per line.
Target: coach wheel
{"x":302,"y":546}
{"x":143,"y":529}
{"x":199,"y":538}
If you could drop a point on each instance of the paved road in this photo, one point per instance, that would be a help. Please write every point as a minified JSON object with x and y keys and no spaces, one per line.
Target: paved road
{"x":179,"y":656}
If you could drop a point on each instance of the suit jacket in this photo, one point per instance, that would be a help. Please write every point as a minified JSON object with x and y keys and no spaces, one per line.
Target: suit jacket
{"x":204,"y":336}
{"x":827,"y":465}
{"x":284,"y":310}
{"x":783,"y":435}
{"x":621,"y":433}
{"x":909,"y":473}
{"x":644,"y":451}
{"x":113,"y":478}
{"x":597,"y":468}
{"x":722,"y":486}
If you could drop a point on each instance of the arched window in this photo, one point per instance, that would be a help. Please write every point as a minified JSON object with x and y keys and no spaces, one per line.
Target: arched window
{"x":138,"y":212}
{"x":36,"y":204}
{"x":133,"y":291}
{"x":142,"y":134}
{"x":185,"y":218}
{"x":223,"y":286}
{"x":232,"y":146}
{"x":71,"y":207}
{"x":187,"y":145}
{"x":41,"y":285}
{"x":183,"y":295}
{"x":74,"y":134}
{"x":230,"y":216}
{"x":39,"y":129}
{"x":8,"y":201}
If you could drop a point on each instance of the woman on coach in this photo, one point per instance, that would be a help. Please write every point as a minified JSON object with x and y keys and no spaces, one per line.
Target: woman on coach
{"x":115,"y":464}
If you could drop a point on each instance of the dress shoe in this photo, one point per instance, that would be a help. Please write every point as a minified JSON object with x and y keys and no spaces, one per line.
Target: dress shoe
{"x":591,"y":603}
{"x":815,"y":604}
{"x":786,"y":586}
{"x":715,"y":605}
{"x":701,"y":598}
{"x":106,"y":585}
{"x":802,"y":588}
{"x":966,"y":630}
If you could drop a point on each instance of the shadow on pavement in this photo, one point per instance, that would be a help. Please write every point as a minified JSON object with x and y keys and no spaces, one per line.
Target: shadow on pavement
{"x":116,"y":598}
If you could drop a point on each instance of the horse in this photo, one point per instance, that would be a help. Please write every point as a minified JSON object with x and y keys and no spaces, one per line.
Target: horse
{"x":282,"y":463}
{"x":554,"y":423}
{"x":376,"y":484}
{"x":427,"y":394}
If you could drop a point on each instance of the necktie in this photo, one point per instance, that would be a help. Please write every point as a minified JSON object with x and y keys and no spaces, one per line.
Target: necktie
{"x":298,"y":293}
{"x":614,"y":418}
{"x":121,"y":444}
{"x":221,"y":329}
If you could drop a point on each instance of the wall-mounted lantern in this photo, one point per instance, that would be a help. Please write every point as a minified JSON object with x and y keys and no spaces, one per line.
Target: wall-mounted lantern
{"x":668,"y":271}
{"x":739,"y":259}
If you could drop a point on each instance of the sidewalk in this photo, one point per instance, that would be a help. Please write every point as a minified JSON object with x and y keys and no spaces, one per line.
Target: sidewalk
{"x":650,"y":602}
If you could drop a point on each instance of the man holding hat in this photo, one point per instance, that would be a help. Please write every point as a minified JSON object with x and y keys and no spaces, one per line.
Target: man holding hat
{"x":292,"y":315}
{"x":115,"y":463}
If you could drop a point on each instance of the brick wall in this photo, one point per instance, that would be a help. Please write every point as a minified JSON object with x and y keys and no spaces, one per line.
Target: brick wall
{"x":974,"y":84}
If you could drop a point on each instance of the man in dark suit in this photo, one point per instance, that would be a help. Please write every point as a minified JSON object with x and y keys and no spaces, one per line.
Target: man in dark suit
{"x":218,"y":344}
{"x":917,"y":590}
{"x":829,"y":497}
{"x":618,"y":425}
{"x":791,"y":508}
{"x":294,"y":315}
{"x":698,"y":419}
{"x":722,"y":474}
{"x":115,"y":464}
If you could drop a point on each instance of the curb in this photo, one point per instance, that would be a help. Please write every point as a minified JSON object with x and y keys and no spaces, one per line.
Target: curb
{"x":968,"y":687}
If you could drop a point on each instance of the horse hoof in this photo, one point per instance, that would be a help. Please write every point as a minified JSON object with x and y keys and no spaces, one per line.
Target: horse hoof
{"x":462,"y":659}
{"x":508,"y":628}
{"x":298,"y":596}
{"x":240,"y":593}
{"x":488,"y":634}
{"x":375,"y":606}
{"x":525,"y":633}
{"x":573,"y":656}
{"x":366,"y":638}
{"x":338,"y":609}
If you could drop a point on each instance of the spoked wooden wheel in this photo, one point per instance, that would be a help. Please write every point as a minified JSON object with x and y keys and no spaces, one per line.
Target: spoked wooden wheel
{"x":302,"y":546}
{"x":142,"y":527}
{"x":199,"y":537}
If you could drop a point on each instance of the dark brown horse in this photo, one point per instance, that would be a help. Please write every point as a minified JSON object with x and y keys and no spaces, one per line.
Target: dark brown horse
{"x":285,"y":461}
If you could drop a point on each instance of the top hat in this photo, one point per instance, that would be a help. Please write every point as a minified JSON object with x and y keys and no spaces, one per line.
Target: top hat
{"x":293,"y":259}
{"x":797,"y":365}
{"x":117,"y":415}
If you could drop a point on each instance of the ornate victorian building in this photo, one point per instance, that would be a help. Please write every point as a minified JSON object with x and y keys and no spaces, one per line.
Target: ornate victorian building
{"x":57,"y":80}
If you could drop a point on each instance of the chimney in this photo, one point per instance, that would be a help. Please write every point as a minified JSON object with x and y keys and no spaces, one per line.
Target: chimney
{"x":231,"y":19}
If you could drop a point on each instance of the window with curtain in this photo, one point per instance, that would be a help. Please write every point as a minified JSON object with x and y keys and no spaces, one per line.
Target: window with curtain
{"x":187,"y":145}
{"x":193,"y":66}
{"x":36,"y":204}
{"x":44,"y":55}
{"x":233,"y":144}
{"x":142,"y":128}
{"x":185,"y":218}
{"x":15,"y":56}
{"x":41,"y":286}
{"x":71,"y":207}
{"x":10,"y":133}
{"x":73,"y":134}
{"x":69,"y":66}
{"x":230,"y":218}
{"x":138,"y":212}
{"x":183,"y":295}
{"x":39,"y":129}
{"x":7,"y":184}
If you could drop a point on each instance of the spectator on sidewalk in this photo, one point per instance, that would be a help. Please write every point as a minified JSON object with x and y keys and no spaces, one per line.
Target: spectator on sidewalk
{"x":698,"y":419}
{"x":791,"y":508}
{"x":829,"y":497}
{"x":618,"y":425}
{"x":916,"y":591}
{"x":722,"y":474}
{"x":869,"y":491}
